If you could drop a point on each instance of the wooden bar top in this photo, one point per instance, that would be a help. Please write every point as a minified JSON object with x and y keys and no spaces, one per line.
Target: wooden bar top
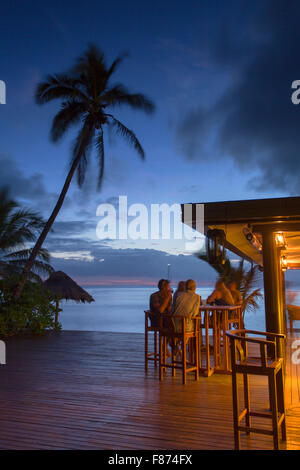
{"x":218,"y":307}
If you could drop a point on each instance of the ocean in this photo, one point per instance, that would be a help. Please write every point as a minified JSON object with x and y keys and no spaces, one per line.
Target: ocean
{"x":121,"y":309}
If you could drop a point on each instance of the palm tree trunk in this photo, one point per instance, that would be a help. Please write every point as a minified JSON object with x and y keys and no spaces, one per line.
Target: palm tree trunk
{"x":45,"y":231}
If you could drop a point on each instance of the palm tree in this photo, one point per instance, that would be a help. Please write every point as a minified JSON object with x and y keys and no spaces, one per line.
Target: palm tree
{"x":86,"y":97}
{"x":246,"y":281}
{"x":17,"y":228}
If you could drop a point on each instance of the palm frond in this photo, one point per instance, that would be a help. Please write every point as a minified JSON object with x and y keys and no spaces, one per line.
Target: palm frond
{"x":59,"y":87}
{"x":115,"y":64}
{"x":250,"y":301}
{"x":93,"y":57}
{"x":91,"y":71}
{"x":43,"y":255}
{"x":81,"y":169}
{"x":69,"y":115}
{"x":119,"y":95}
{"x":17,"y":226}
{"x":129,"y":135}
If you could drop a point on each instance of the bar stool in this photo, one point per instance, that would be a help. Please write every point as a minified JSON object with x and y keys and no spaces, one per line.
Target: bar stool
{"x":272,"y":367}
{"x":231,"y":316}
{"x":188,"y":340}
{"x":211,"y":324}
{"x":152,"y":324}
{"x":294,"y":314}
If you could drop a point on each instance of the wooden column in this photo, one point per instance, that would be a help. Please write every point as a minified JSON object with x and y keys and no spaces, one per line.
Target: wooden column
{"x":272,"y":285}
{"x":284,"y":302}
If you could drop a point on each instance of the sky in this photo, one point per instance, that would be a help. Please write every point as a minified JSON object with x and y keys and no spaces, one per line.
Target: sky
{"x":225,"y":128}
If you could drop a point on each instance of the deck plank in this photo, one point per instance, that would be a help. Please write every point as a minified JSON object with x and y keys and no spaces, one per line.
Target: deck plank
{"x":88,"y":390}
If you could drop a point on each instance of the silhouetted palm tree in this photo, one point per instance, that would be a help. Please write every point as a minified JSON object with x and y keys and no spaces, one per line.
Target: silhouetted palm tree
{"x":87,"y":98}
{"x":18,"y":227}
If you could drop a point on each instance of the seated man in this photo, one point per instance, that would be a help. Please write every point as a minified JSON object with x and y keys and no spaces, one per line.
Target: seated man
{"x":236,"y":295}
{"x":187,"y":304}
{"x":221,"y":295}
{"x":161,"y":301}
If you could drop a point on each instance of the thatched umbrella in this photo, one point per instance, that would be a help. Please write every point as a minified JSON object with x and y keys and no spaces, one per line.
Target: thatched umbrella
{"x":62,"y":286}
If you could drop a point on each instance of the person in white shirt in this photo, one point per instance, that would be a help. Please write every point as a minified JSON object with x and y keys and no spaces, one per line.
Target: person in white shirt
{"x":187,"y":304}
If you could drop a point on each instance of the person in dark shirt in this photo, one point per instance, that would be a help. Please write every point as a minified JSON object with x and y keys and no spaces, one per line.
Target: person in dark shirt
{"x":161,"y":301}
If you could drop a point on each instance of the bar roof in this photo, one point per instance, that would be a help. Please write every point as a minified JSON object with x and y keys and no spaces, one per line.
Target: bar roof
{"x":258,"y":215}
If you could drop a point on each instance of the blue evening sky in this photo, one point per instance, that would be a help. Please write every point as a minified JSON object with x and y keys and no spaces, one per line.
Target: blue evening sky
{"x":206,"y":140}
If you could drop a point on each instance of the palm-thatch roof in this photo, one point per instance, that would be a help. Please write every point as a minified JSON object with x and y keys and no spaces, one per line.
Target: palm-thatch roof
{"x":63,"y":287}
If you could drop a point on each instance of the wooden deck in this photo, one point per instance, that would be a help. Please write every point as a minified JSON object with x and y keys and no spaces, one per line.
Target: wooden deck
{"x":88,"y":390}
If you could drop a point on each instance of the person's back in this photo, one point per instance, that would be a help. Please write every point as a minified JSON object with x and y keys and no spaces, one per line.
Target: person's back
{"x":236,"y":294}
{"x":226,"y":295}
{"x":221,"y":295}
{"x":187,"y":304}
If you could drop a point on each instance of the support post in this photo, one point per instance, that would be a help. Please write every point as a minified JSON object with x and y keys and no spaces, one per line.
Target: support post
{"x":272,"y":286}
{"x":284,"y":302}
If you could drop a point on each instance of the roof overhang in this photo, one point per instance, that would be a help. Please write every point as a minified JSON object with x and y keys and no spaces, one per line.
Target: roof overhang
{"x":257,"y":216}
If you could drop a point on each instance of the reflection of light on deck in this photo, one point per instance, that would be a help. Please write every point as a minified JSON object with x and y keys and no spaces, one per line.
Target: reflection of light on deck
{"x":42,"y":407}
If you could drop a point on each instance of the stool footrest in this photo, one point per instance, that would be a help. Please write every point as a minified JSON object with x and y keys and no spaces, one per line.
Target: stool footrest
{"x":177,"y":366}
{"x":261,"y":415}
{"x":153,"y":357}
{"x":255,"y":430}
{"x":258,"y":414}
{"x":267,"y":414}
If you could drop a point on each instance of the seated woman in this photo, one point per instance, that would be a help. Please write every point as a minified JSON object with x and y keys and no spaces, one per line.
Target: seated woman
{"x":221,"y":295}
{"x":179,"y":290}
{"x":236,"y":295}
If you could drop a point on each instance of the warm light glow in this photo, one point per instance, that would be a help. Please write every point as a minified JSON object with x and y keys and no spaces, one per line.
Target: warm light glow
{"x":280,"y":240}
{"x":284,"y":263}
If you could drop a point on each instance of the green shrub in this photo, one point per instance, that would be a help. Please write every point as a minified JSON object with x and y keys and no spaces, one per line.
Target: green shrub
{"x":34,"y":311}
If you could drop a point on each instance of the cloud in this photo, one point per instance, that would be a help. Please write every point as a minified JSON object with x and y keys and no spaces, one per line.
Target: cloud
{"x":119,"y":266}
{"x":76,"y":255}
{"x":73,"y":228}
{"x":30,"y":189}
{"x":253,"y":121}
{"x":94,"y":261}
